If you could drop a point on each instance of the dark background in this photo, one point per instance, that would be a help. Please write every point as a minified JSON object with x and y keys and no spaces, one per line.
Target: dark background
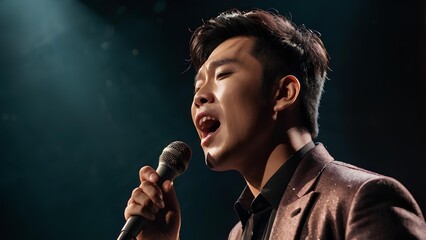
{"x":92,"y":90}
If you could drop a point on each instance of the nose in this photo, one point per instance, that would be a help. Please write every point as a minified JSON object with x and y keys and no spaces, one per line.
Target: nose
{"x":202,"y":97}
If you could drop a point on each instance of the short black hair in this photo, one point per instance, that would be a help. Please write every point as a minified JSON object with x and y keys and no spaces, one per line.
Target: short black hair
{"x":281,"y":47}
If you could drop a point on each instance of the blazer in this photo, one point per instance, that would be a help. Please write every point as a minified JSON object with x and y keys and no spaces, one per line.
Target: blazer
{"x":327,"y":199}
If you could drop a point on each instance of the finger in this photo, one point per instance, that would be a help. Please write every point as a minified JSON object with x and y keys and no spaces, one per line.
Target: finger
{"x":147,"y":192}
{"x":135,"y":194}
{"x":144,"y":203}
{"x":148,"y":173}
{"x":153,"y":192}
{"x":147,"y":211}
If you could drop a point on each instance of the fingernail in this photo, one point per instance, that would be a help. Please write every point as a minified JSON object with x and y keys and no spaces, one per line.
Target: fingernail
{"x":167,"y":186}
{"x":152,"y":177}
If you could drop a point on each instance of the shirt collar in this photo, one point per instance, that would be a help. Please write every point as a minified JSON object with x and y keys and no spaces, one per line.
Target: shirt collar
{"x":274,"y":189}
{"x":276,"y":185}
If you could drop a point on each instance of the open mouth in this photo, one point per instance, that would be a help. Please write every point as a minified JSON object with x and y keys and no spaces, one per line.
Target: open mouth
{"x":208,"y":125}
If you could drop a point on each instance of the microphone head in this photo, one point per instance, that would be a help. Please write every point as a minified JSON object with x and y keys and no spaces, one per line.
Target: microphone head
{"x":176,"y":155}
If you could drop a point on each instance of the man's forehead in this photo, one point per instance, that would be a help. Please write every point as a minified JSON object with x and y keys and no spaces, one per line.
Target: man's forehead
{"x":232,"y":50}
{"x":214,"y":64}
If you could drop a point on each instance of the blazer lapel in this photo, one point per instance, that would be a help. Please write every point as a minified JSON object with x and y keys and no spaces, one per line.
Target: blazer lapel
{"x":299,"y":195}
{"x":289,"y":218}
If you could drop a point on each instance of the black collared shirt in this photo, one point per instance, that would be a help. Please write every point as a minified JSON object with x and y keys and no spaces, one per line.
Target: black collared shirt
{"x":257,"y":214}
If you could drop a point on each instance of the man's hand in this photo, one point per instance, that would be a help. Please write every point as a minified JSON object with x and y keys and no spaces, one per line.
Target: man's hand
{"x":158,"y":205}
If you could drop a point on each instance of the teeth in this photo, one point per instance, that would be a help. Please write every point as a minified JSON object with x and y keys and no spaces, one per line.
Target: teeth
{"x":203,"y":120}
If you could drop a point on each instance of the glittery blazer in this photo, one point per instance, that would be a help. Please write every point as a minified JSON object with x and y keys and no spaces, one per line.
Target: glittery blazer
{"x":327,"y":199}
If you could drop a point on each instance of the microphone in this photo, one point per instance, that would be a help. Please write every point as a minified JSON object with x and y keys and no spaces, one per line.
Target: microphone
{"x":173,"y":161}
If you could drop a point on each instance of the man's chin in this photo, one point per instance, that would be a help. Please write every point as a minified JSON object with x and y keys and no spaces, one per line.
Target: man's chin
{"x":209,"y":160}
{"x":215,"y":164}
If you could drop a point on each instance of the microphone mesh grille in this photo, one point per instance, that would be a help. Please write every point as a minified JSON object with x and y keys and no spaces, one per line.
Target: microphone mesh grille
{"x":177,"y":155}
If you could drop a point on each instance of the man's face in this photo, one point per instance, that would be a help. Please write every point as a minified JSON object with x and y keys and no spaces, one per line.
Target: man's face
{"x":232,"y":116}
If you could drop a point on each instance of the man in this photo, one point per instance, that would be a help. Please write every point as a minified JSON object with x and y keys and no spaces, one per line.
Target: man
{"x":257,"y":91}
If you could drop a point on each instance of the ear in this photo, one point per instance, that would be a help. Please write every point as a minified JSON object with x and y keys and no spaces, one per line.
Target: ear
{"x":286,"y":92}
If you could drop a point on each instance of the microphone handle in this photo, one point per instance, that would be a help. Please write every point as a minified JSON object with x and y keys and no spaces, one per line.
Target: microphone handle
{"x":135,"y":224}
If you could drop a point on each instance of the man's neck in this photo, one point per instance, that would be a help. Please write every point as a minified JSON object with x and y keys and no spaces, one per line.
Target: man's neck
{"x":257,"y":175}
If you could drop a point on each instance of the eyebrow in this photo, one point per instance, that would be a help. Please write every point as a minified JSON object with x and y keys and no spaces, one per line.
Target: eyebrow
{"x":216,"y":64}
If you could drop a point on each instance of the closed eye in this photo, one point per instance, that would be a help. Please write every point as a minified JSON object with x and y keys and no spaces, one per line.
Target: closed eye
{"x":223,"y":75}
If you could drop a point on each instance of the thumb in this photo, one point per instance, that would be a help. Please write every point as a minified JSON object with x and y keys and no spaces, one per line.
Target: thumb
{"x":172,"y":216}
{"x":169,"y":196}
